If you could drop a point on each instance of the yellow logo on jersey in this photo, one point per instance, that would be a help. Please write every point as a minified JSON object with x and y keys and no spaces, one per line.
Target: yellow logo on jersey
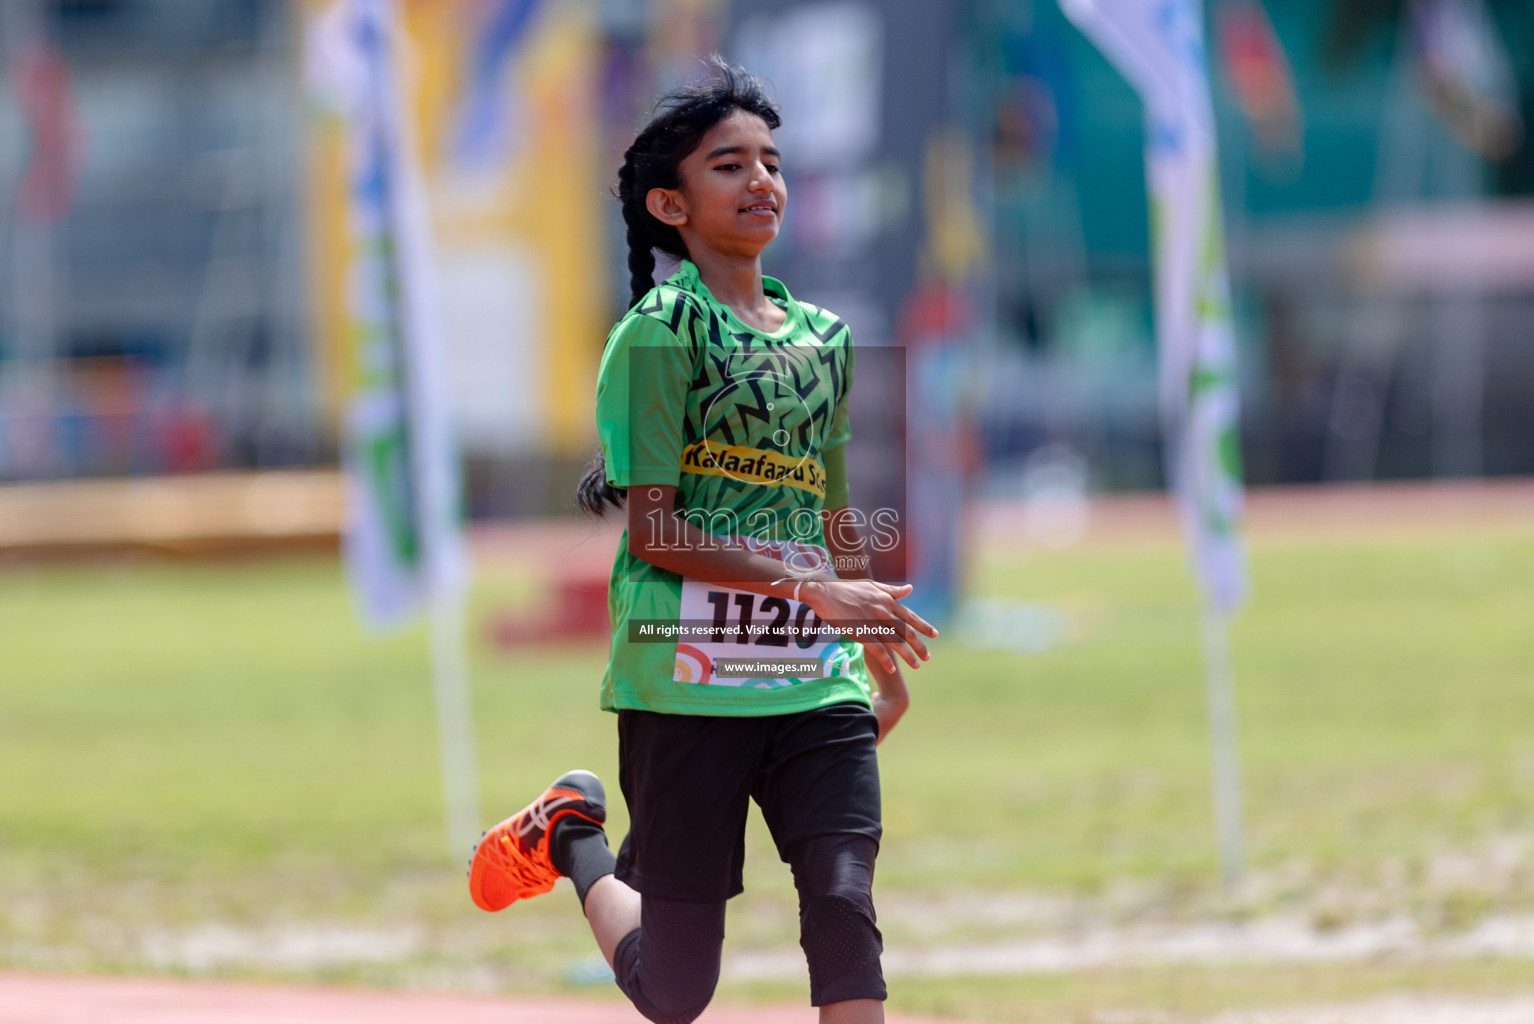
{"x":756,"y":466}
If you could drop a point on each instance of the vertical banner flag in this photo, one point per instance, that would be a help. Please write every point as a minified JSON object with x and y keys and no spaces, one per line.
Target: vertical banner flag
{"x":404,"y":545}
{"x":1158,"y":45}
{"x":485,"y":125}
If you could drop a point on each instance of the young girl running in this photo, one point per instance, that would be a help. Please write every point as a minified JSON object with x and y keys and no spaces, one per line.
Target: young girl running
{"x":722,"y":412}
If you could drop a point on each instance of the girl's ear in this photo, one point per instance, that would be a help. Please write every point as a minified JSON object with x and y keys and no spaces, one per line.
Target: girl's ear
{"x":667,"y":206}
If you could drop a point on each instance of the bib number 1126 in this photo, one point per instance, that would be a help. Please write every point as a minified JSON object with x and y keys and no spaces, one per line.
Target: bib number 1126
{"x":763,"y":621}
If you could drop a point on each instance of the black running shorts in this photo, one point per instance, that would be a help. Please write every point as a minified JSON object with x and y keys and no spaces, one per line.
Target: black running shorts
{"x":688,"y":778}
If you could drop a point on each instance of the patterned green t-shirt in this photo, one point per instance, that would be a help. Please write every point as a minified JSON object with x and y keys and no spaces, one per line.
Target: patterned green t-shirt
{"x":740,"y":421}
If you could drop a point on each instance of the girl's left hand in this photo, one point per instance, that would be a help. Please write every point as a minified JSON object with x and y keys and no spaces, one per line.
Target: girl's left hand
{"x":890,"y":696}
{"x":869,"y":602}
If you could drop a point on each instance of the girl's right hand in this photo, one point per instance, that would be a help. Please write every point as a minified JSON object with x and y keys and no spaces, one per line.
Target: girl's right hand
{"x":869,"y":603}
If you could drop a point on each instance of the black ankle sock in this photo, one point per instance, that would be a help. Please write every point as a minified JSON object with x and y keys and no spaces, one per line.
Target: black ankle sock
{"x":579,"y":852}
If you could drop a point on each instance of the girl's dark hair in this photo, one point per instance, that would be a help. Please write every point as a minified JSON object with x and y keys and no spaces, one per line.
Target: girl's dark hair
{"x":681,"y":119}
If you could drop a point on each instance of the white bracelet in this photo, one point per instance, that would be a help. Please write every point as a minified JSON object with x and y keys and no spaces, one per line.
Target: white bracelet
{"x":796,"y":591}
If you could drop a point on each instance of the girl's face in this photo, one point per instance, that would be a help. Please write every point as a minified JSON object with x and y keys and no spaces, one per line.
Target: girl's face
{"x":732,"y":193}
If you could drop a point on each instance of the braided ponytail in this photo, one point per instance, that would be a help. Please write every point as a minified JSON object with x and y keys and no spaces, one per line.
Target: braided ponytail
{"x":681,"y":120}
{"x":594,"y":494}
{"x":641,"y":260}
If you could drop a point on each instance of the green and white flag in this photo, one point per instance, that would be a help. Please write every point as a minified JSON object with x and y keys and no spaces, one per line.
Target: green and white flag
{"x":404,"y":542}
{"x":1158,"y":45}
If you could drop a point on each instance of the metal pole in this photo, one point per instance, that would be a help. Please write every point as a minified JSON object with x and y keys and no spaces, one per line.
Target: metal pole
{"x":33,"y":319}
{"x":1225,"y":764}
{"x":455,"y":729}
{"x":1458,"y":340}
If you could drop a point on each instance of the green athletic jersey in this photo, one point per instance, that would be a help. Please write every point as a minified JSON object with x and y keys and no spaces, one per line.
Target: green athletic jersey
{"x":740,"y":421}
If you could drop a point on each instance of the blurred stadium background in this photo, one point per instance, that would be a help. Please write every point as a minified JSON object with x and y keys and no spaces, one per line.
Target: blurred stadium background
{"x":193,"y":751}
{"x":173,"y":258}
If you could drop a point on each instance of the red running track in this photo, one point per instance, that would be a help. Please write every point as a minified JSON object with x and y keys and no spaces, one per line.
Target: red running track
{"x":61,"y":999}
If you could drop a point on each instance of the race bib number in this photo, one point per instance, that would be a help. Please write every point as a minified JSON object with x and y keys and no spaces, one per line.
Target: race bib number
{"x":737,"y":638}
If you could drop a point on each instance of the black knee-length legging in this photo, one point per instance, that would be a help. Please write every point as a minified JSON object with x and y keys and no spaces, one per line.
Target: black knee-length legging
{"x":669,"y":965}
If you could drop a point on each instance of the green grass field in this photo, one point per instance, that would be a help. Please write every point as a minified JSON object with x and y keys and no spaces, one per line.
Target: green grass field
{"x":211,"y":769}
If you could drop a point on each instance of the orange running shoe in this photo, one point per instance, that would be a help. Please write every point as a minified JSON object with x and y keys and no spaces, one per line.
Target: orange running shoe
{"x":512,"y":861}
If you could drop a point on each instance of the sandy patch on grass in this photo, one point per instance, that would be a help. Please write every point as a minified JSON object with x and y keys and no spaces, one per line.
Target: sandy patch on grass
{"x":1395,"y":1010}
{"x":210,"y":946}
{"x":1287,"y":939}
